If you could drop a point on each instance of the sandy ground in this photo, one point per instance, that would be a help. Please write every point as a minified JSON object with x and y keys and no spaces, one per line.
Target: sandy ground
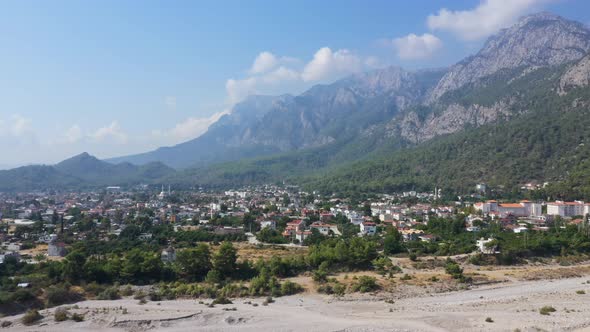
{"x":511,"y":305}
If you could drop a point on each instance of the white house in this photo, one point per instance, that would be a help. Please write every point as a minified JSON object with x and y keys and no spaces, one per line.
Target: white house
{"x":484,"y":248}
{"x":271,"y":224}
{"x":368,"y":228}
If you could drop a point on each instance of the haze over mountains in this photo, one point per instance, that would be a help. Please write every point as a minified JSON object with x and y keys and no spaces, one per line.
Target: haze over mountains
{"x":376,"y":125}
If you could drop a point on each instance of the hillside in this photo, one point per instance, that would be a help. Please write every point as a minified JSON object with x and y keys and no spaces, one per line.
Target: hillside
{"x":544,"y":136}
{"x":80,"y":172}
{"x":410,"y":107}
{"x":265,"y":125}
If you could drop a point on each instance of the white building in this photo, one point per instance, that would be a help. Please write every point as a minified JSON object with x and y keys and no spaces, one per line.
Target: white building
{"x":484,"y":248}
{"x":522,"y":209}
{"x":268,"y":224}
{"x":368,"y":228}
{"x":567,"y":209}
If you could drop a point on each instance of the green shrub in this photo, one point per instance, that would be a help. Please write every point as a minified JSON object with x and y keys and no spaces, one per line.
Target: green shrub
{"x":23,"y":295}
{"x":127,"y":291}
{"x":61,"y":295}
{"x":290,"y":288}
{"x":60,"y":315}
{"x":77,"y":317}
{"x":581,"y":292}
{"x":155,"y":296}
{"x":489,"y":320}
{"x":339,"y":289}
{"x":454,"y":269}
{"x":319,"y":276}
{"x":546,"y":310}
{"x":111,"y":293}
{"x":31,"y":317}
{"x":93,"y":289}
{"x":365,"y":284}
{"x":139,"y":295}
{"x":222,"y":300}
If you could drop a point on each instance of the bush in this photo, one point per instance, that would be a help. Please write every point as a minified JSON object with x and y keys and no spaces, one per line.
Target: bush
{"x":23,"y":295}
{"x":127,"y":291}
{"x":60,"y":295}
{"x":6,"y":324}
{"x":93,"y":289}
{"x":111,"y":293}
{"x":319,"y":276}
{"x":60,"y":315}
{"x":31,"y":317}
{"x":139,"y":295}
{"x":365,"y":284}
{"x":154,"y":296}
{"x":546,"y":310}
{"x":489,"y":320}
{"x":222,"y":300}
{"x":581,"y":292}
{"x":77,"y":317}
{"x":290,"y":288}
{"x":413,"y":257}
{"x":213,"y":277}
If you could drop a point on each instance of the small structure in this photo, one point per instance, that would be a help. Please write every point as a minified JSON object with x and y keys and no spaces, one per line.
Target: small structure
{"x":6,"y":255}
{"x":302,"y":235}
{"x":486,"y":246}
{"x":271,"y":224}
{"x":168,"y":255}
{"x":368,"y":228}
{"x":56,"y":249}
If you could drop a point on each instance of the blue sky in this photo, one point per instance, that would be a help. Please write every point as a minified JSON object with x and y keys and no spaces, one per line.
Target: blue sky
{"x":119,"y":77}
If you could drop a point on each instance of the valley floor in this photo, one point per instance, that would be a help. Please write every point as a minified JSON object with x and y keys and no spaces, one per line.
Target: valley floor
{"x":512,"y":305}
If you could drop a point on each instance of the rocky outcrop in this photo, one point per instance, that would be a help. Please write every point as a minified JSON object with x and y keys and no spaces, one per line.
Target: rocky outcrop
{"x":535,"y":41}
{"x":578,"y":75}
{"x":452,"y":119}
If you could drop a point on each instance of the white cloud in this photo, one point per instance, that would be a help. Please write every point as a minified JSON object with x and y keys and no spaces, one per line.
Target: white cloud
{"x":240,"y":89}
{"x":280,"y":74}
{"x":416,"y":47}
{"x":20,"y":125}
{"x":73,"y":134}
{"x":264,"y":62}
{"x":328,"y":65}
{"x":273,"y":74}
{"x":110,"y":133}
{"x":485,"y":19}
{"x":193,"y":127}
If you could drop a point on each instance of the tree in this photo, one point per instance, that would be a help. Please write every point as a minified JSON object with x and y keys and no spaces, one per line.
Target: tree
{"x":74,"y":266}
{"x":392,"y":243}
{"x":224,"y":261}
{"x":194,"y":264}
{"x":367,"y":210}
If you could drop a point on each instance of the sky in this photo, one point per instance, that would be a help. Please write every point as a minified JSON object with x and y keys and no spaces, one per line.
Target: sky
{"x":120,"y":77}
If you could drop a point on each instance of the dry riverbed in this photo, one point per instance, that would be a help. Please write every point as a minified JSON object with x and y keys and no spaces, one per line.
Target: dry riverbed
{"x":512,"y":304}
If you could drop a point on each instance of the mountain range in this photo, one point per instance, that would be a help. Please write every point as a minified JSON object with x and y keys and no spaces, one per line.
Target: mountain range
{"x":513,"y":112}
{"x":80,"y":172}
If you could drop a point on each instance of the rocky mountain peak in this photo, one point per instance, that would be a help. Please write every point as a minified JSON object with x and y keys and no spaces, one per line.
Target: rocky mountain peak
{"x":536,"y":40}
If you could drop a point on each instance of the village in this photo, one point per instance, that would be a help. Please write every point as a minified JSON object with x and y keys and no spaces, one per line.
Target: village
{"x":33,"y":224}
